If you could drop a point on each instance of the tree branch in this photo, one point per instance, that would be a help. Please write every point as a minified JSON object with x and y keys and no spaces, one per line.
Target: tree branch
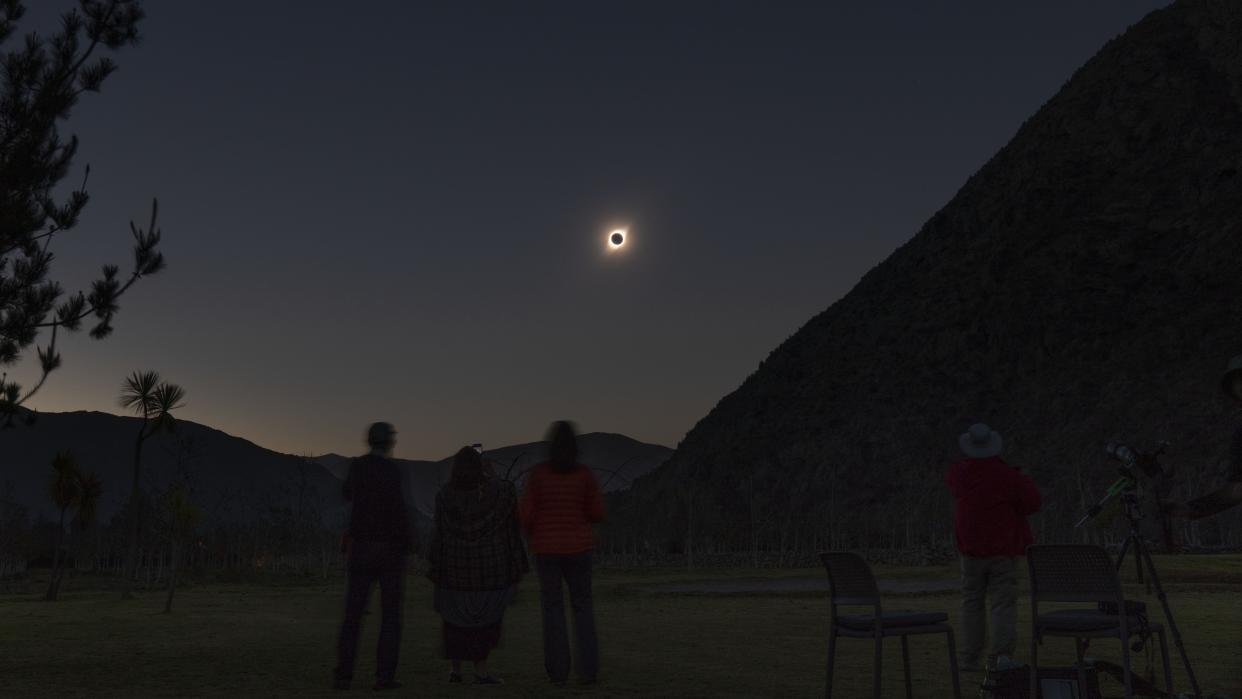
{"x":47,"y":369}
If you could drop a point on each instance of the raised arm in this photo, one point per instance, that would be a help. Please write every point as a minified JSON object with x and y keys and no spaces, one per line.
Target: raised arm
{"x":1223,"y":498}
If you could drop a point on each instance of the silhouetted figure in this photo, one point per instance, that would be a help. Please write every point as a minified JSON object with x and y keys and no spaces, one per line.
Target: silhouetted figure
{"x":560,"y":502}
{"x":476,"y":558}
{"x":1228,"y":495}
{"x":993,"y":500}
{"x":377,"y":543}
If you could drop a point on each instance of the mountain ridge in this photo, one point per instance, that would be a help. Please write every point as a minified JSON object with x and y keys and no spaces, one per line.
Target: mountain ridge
{"x":231,"y":478}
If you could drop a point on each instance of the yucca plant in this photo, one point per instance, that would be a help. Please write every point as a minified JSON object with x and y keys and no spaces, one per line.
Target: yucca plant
{"x":90,"y":489}
{"x":154,"y":401}
{"x":183,"y":517}
{"x":65,"y":488}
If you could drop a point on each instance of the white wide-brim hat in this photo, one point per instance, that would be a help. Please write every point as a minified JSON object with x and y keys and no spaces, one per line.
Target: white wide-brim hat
{"x":980,"y":442}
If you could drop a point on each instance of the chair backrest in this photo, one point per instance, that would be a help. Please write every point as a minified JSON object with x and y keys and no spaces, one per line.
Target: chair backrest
{"x":1072,"y":573}
{"x":850,"y":578}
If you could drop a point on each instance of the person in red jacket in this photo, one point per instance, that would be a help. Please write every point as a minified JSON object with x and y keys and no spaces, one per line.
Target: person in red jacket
{"x":559,"y":503}
{"x":993,"y":500}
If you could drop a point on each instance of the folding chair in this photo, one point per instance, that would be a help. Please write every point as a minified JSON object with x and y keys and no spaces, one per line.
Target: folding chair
{"x":853,"y":585}
{"x":1082,"y":573}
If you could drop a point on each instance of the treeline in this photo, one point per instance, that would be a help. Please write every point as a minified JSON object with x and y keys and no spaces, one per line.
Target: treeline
{"x":779,"y":523}
{"x":292,"y":532}
{"x":281,"y":541}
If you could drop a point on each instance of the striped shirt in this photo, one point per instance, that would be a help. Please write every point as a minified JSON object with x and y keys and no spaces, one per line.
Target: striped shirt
{"x":557,"y":509}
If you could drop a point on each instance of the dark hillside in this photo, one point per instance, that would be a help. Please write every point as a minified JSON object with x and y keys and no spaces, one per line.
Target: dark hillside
{"x":1081,"y":287}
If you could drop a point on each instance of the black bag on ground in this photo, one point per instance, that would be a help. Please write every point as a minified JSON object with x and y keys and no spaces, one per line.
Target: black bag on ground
{"x":1015,"y":683}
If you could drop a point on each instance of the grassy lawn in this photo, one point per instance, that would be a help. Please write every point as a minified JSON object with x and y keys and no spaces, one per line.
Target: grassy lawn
{"x":278,"y":640}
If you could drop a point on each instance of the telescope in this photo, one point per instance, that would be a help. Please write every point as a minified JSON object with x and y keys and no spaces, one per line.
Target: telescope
{"x":1143,"y":481}
{"x":1127,"y":483}
{"x":1141,"y":478}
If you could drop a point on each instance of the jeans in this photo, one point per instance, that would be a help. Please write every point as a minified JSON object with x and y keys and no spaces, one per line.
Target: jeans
{"x":372,"y":562}
{"x":575,"y":570}
{"x":993,"y":580}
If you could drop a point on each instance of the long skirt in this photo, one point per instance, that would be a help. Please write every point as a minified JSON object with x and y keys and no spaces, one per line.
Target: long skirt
{"x":472,"y":621}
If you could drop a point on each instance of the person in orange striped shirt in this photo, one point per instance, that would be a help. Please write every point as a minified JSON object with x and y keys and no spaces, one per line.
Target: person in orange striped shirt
{"x":560,"y":502}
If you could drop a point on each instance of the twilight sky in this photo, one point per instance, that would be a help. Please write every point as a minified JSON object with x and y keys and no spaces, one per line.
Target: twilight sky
{"x":386,"y":210}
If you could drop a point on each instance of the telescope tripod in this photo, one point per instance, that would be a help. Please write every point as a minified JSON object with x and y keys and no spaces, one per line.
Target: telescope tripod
{"x":1142,"y":560}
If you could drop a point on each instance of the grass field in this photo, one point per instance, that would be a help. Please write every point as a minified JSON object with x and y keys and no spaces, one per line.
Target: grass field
{"x":278,"y":640}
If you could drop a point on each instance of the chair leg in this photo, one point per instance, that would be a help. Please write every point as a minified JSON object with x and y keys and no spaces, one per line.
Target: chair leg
{"x":1164,"y":657}
{"x":832,"y":656}
{"x":1081,"y":647}
{"x":1034,"y":666}
{"x":905,"y":662}
{"x":957,"y":686}
{"x":879,"y":657}
{"x":1125,"y":668}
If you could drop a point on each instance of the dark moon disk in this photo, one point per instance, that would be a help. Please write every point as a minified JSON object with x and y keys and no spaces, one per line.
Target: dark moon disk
{"x":617,"y":238}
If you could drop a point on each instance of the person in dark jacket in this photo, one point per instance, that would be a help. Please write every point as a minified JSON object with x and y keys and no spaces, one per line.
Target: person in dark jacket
{"x":377,"y":542}
{"x":1229,"y":494}
{"x":559,"y":503}
{"x":993,"y":500}
{"x":476,"y":558}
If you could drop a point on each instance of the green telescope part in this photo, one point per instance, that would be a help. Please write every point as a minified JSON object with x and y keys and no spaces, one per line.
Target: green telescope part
{"x":1121,"y":485}
{"x":1118,"y":487}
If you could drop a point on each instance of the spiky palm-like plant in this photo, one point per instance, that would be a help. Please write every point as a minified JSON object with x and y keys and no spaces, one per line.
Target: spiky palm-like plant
{"x":90,"y":489}
{"x":65,"y":488}
{"x":183,"y":517}
{"x":154,"y":401}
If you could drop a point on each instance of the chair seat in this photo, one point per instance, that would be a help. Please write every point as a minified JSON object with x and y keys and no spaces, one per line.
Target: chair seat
{"x":1086,"y":620}
{"x":890,"y":620}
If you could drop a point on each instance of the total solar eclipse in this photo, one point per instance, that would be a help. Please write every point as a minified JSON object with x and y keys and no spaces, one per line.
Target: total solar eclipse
{"x":616,"y":239}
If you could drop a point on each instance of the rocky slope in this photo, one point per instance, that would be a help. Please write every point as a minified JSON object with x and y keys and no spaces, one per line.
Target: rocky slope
{"x":1081,"y":287}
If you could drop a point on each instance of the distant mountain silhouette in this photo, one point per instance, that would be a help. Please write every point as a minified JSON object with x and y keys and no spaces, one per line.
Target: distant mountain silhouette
{"x":230,"y":478}
{"x":1082,"y":287}
{"x":616,"y":459}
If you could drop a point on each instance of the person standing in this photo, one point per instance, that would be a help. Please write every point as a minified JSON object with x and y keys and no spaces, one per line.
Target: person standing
{"x":377,"y":542}
{"x":560,"y":502}
{"x":476,"y":559}
{"x":992,"y":502}
{"x":1229,"y":494}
